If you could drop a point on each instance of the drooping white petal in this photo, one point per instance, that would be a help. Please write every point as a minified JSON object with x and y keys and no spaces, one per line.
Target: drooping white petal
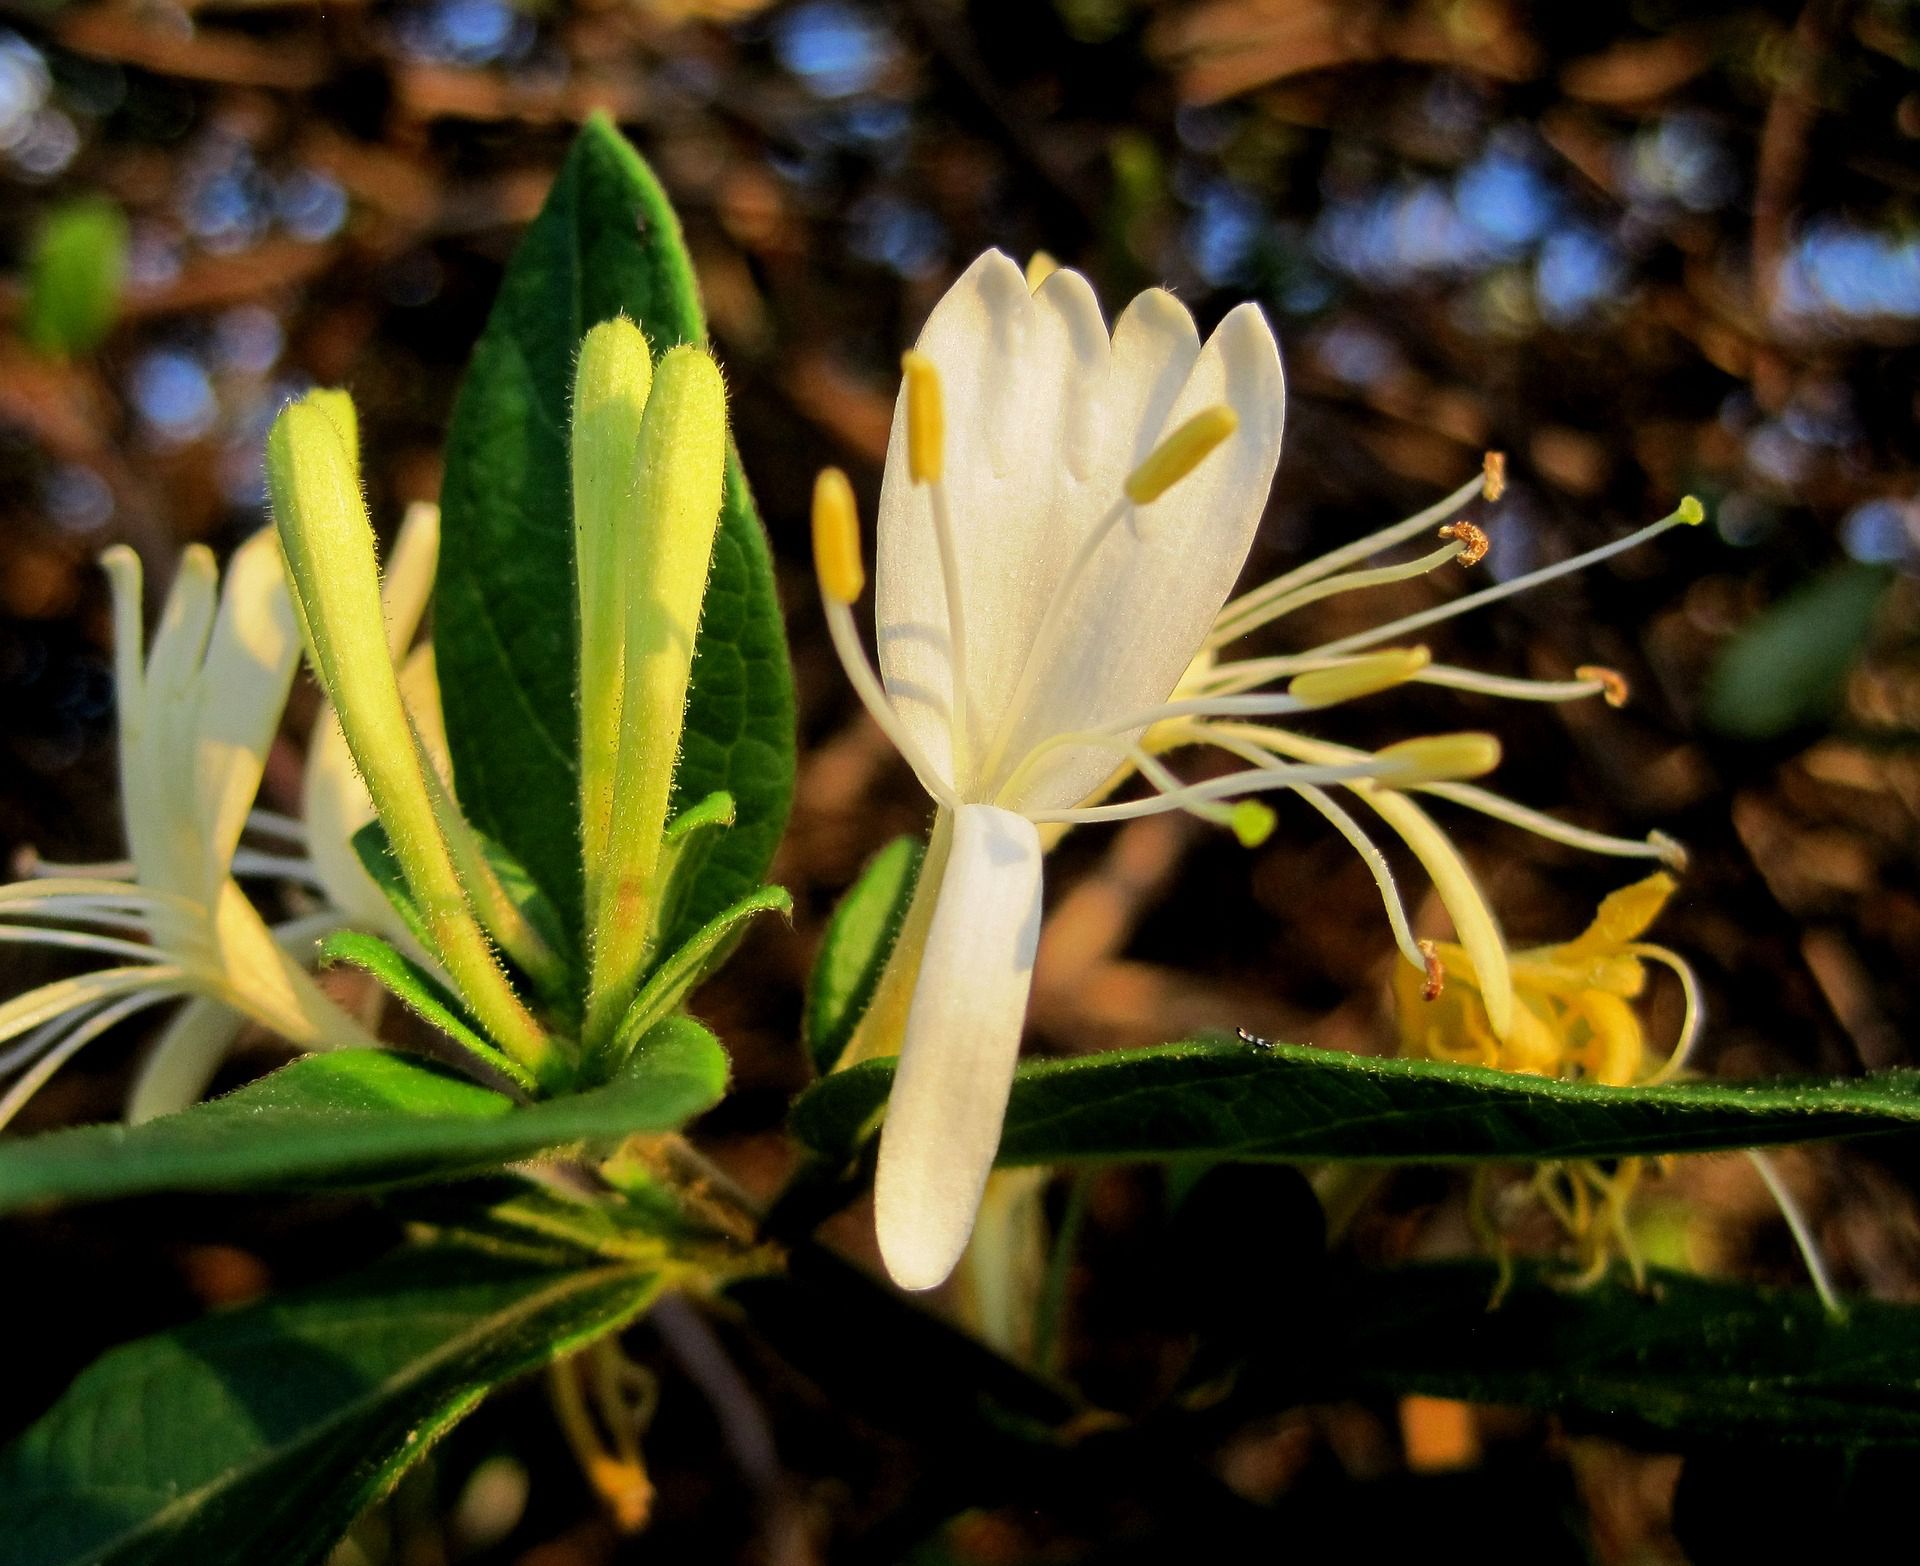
{"x":963,"y":1036}
{"x":1044,"y":420}
{"x":183,"y":1059}
{"x":243,"y":684}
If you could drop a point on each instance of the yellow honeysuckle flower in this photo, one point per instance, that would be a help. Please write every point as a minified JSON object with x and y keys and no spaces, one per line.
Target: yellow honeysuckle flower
{"x":1573,"y":1017}
{"x":1572,"y":1012}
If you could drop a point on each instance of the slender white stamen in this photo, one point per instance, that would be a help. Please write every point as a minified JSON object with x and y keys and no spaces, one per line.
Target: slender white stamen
{"x":276,"y":867}
{"x":32,"y":865}
{"x":1231,"y":786}
{"x":1540,"y":824}
{"x":83,"y":911}
{"x":1343,"y":823}
{"x":73,"y":940}
{"x":1413,"y":622}
{"x":84,"y":1033}
{"x":1228,"y":628}
{"x":1351,"y":554}
{"x":1800,"y":1229}
{"x":853,"y":659}
{"x":271,"y":823}
{"x":25,"y":1012}
{"x":42,"y":1038}
{"x":1506,"y":687}
{"x":20,"y":896}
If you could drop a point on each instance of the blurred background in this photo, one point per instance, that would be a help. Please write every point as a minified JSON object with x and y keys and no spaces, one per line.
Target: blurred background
{"x":1643,"y":249}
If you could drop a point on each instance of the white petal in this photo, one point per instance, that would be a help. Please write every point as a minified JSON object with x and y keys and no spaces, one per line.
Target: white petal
{"x":157,"y":791}
{"x":406,"y":576}
{"x":1022,"y":377}
{"x":183,"y":1059}
{"x":1044,"y":420}
{"x":251,"y":656}
{"x":1143,"y":608}
{"x":963,"y":1036}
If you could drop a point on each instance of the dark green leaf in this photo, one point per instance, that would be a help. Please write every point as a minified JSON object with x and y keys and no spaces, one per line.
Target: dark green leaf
{"x":74,"y":279}
{"x":363,"y":1118}
{"x":422,"y":994}
{"x":378,"y":859}
{"x":675,"y":977}
{"x":858,"y":941}
{"x":1786,"y":669}
{"x":1689,"y":1356}
{"x":605,"y":242}
{"x":1232,"y":1100}
{"x":259,"y":1434}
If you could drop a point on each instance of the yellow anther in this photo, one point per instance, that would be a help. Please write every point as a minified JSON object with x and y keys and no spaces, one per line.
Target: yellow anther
{"x":1690,"y":511}
{"x":1494,"y":482}
{"x":1612,"y":683}
{"x":1041,"y":267}
{"x":1362,"y":677}
{"x":1439,"y":758}
{"x":1252,"y":822}
{"x":1471,"y":539}
{"x":1180,"y":453}
{"x":836,"y":538}
{"x":926,"y":418}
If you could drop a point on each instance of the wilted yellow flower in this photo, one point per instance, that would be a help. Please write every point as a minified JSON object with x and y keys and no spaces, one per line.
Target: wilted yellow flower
{"x":1572,"y":1015}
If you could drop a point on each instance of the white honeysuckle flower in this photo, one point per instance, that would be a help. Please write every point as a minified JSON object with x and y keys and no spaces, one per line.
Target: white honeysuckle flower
{"x":334,"y":806}
{"x":197,"y":714}
{"x":1062,"y":516}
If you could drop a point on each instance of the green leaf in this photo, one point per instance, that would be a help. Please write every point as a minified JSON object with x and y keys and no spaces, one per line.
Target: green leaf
{"x":1786,"y":670}
{"x":260,"y":1434}
{"x":854,"y":952}
{"x":1292,"y":1104}
{"x":1688,"y":1356}
{"x":378,"y":859}
{"x":422,"y":994}
{"x":363,"y":1118}
{"x":675,"y":978}
{"x":605,"y":242}
{"x":74,"y":280}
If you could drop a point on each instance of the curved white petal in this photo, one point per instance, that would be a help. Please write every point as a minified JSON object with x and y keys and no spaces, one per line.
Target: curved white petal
{"x":963,"y":1036}
{"x":242,"y":693}
{"x":183,"y":1059}
{"x":157,"y":783}
{"x":1045,"y":418}
{"x":1136,"y":617}
{"x":406,"y":579}
{"x":1022,"y":376}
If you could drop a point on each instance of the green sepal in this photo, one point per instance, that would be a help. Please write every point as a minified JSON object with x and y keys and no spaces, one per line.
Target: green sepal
{"x":423,"y":995}
{"x":853,"y":953}
{"x":674,"y":978}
